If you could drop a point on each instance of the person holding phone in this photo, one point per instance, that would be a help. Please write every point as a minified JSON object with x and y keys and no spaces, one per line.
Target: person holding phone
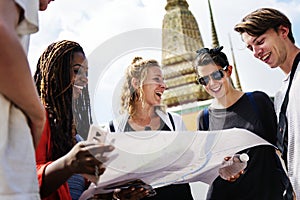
{"x":61,"y":81}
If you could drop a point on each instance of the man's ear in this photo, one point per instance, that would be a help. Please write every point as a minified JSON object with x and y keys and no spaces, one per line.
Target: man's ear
{"x":135,"y":83}
{"x":283,"y":31}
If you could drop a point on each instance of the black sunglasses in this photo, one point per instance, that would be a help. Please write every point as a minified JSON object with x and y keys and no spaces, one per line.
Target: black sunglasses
{"x":216,"y":75}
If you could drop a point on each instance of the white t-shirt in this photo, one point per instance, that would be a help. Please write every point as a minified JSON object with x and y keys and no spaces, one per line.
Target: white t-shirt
{"x":293,"y":117}
{"x":18,"y":177}
{"x":30,"y":23}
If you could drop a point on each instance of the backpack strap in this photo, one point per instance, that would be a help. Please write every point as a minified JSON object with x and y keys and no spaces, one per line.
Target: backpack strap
{"x":205,"y":119}
{"x":253,"y":102}
{"x":111,"y":126}
{"x":172,"y":121}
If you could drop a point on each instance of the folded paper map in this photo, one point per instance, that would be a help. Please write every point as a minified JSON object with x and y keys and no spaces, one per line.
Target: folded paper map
{"x":160,"y":158}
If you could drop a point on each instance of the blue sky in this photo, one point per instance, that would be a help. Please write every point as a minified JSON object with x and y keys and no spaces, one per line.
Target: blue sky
{"x":101,"y":25}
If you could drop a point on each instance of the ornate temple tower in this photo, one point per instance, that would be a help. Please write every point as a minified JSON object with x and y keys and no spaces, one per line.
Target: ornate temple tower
{"x":215,"y":41}
{"x":180,"y":40}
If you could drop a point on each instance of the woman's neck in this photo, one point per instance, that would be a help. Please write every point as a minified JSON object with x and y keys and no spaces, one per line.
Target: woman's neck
{"x":144,"y":118}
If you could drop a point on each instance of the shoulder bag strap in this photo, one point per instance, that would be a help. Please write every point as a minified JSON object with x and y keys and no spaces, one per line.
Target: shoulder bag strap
{"x":286,"y":98}
{"x":111,"y":126}
{"x":282,"y":138}
{"x":172,"y":121}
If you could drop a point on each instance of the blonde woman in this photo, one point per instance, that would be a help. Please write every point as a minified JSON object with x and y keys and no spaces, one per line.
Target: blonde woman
{"x":142,"y":110}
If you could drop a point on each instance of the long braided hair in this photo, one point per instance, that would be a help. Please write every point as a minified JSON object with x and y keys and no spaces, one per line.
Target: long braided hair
{"x":55,"y":88}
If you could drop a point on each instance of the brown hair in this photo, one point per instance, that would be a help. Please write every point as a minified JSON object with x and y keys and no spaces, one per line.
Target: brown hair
{"x":259,"y":21}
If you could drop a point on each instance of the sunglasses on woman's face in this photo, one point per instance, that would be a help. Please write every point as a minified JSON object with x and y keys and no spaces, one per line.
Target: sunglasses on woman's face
{"x":216,"y":75}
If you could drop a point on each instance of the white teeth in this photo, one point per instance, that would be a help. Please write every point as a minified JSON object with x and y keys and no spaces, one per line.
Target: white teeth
{"x":265,"y":57}
{"x":78,"y":86}
{"x":158,"y":93}
{"x":215,"y":89}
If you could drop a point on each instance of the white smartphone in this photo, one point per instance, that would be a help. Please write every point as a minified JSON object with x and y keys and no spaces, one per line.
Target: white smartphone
{"x":97,"y":133}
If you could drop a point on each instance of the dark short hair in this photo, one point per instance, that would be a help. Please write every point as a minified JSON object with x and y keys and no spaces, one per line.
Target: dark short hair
{"x":259,"y":21}
{"x":206,"y":56}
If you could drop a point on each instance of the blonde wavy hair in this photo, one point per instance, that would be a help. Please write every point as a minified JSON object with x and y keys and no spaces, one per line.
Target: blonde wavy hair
{"x":130,"y":95}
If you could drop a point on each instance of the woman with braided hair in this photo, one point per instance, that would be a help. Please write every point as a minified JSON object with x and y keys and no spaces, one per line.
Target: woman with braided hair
{"x":61,"y":81}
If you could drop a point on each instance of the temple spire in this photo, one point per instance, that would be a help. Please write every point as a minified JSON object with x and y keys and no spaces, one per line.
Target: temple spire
{"x":215,"y":41}
{"x":171,"y":4}
{"x":180,"y":39}
{"x":238,"y":84}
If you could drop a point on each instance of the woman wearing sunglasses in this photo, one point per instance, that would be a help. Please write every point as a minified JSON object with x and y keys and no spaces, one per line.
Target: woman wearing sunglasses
{"x":263,"y":177}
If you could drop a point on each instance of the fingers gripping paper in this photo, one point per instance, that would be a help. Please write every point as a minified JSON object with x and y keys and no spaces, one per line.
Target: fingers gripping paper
{"x":161,"y":158}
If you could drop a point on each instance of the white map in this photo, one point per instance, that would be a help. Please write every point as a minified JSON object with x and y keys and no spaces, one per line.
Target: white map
{"x":161,"y":158}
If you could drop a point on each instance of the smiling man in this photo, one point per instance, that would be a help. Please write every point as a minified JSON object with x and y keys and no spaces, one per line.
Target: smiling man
{"x":268,"y":34}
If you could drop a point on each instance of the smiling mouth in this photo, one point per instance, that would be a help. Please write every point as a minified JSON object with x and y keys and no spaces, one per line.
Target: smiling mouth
{"x":216,"y":89}
{"x":265,"y":57}
{"x":78,"y":86}
{"x":158,"y":94}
